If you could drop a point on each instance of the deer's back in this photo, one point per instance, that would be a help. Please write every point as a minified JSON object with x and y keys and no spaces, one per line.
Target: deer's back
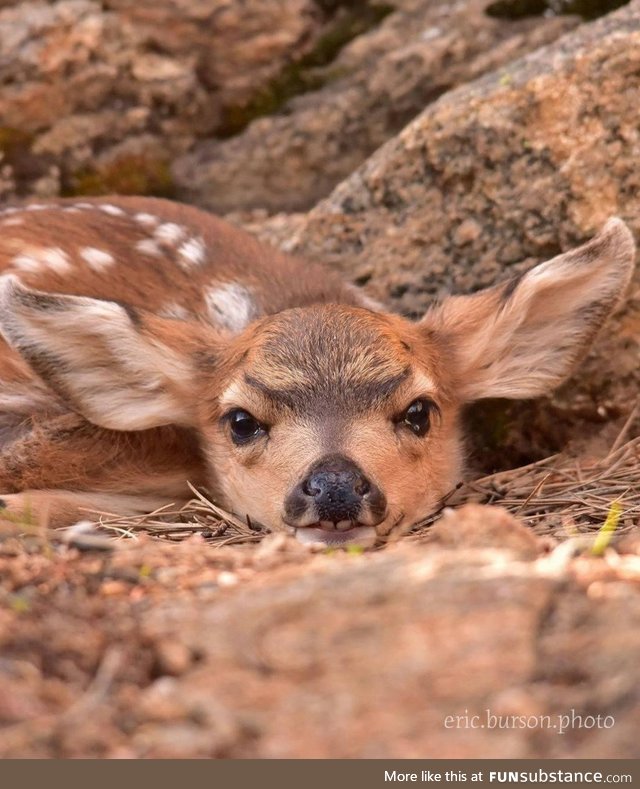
{"x":171,"y":259}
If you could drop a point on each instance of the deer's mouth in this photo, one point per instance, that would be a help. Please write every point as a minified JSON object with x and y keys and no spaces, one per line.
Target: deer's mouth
{"x":336,"y":535}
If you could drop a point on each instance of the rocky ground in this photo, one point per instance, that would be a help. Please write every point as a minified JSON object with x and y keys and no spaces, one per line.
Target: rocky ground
{"x":185,"y":650}
{"x":504,"y":140}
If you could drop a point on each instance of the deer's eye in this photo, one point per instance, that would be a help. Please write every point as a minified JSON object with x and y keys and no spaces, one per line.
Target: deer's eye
{"x":417,"y":416}
{"x":243,"y":426}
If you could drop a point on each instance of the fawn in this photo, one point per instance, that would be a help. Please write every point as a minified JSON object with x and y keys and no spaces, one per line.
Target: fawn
{"x":147,"y":344}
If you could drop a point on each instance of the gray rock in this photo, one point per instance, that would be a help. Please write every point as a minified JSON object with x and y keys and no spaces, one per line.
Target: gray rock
{"x":290,"y":160}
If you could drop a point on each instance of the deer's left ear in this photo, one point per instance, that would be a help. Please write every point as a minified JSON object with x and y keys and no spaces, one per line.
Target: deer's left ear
{"x":100,"y":357}
{"x":521,"y":339}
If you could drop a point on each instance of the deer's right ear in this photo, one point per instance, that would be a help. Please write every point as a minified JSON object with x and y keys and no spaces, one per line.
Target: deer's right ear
{"x":523,"y":338}
{"x":99,"y":357}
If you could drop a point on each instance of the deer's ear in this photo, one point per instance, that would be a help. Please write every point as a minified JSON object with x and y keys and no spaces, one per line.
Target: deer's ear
{"x":99,"y":357}
{"x":521,"y":339}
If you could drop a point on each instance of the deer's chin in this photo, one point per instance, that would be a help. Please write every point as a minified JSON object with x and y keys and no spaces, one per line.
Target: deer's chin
{"x":364,"y":536}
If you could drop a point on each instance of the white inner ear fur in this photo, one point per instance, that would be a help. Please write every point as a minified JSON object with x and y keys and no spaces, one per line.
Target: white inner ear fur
{"x":90,"y":352}
{"x":524,"y":343}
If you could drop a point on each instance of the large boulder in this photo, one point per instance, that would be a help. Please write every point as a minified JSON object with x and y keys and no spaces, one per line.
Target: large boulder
{"x":494,"y":177}
{"x":382,"y":79}
{"x":99,"y":97}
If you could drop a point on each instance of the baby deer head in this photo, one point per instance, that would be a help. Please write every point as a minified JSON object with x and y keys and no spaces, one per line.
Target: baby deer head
{"x":333,"y":422}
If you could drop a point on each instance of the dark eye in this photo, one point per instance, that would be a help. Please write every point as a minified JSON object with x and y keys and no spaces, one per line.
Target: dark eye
{"x":417,"y":416}
{"x":244,"y":427}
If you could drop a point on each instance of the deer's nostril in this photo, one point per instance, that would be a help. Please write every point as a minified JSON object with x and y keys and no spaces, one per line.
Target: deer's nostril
{"x":335,"y":484}
{"x":310,"y":486}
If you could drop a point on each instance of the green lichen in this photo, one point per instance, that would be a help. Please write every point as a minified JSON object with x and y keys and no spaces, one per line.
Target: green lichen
{"x":292,"y":81}
{"x":304,"y":74}
{"x":133,"y":174}
{"x":19,"y":604}
{"x":349,"y":23}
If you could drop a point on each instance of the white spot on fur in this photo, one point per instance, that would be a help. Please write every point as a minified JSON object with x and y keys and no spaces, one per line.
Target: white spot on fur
{"x":97,"y":259}
{"x":148,"y":247}
{"x":56,"y":259}
{"x":113,"y":210}
{"x":230,"y":306}
{"x":174,"y":310}
{"x":146,"y":219}
{"x":192,"y":252}
{"x":169,"y":233}
{"x":26,"y":263}
{"x":12,"y":221}
{"x":83,"y":205}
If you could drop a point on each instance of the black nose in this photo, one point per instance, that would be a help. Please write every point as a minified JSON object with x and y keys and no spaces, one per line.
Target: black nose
{"x":337,"y":487}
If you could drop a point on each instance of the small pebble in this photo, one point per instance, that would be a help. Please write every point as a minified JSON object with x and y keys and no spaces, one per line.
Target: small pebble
{"x":227,"y":579}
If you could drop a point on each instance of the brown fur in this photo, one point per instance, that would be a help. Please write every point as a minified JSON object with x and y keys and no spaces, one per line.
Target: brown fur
{"x":116,"y":377}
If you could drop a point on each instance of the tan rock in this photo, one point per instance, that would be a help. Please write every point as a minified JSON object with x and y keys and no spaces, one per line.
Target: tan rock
{"x":477,"y":526}
{"x":376,"y":85}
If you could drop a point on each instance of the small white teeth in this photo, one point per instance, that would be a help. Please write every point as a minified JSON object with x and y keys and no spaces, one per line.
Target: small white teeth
{"x":358,"y":535}
{"x":339,"y":526}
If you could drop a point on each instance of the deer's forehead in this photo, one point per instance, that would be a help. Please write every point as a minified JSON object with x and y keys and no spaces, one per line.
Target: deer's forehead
{"x":328,"y":358}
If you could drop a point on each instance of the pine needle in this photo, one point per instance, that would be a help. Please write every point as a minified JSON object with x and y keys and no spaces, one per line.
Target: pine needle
{"x":556,"y":496}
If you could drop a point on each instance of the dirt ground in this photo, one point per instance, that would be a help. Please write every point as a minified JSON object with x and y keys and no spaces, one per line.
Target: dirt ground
{"x":476,"y":639}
